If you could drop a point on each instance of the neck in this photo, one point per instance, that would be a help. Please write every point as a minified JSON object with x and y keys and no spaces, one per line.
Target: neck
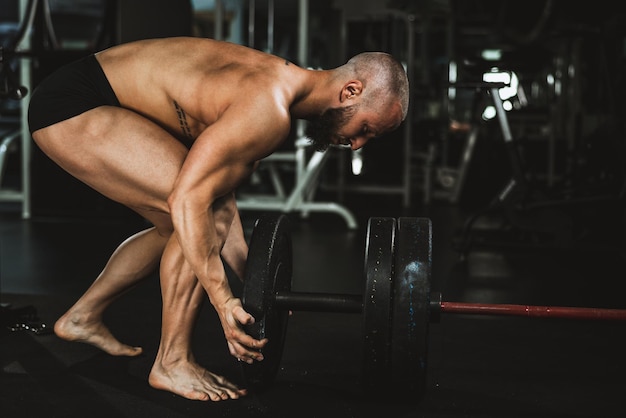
{"x":318,"y":92}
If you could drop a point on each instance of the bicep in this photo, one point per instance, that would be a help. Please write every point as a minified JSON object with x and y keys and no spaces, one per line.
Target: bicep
{"x":226,"y":153}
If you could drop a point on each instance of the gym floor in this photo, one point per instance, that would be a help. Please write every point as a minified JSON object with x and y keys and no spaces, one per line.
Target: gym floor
{"x":478,"y":366}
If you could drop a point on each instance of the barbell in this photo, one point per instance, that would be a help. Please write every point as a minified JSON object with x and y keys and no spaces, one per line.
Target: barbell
{"x":397,"y":305}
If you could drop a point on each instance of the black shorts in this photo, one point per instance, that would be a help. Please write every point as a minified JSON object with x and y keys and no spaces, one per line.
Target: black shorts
{"x":69,"y":91}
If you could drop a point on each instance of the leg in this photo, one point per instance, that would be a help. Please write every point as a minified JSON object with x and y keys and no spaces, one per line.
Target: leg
{"x":132,"y":261}
{"x":235,"y":250}
{"x":91,"y":152}
{"x":114,"y":151}
{"x":175,"y":368}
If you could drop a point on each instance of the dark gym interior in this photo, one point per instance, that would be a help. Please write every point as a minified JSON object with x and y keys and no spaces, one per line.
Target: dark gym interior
{"x":514,"y":148}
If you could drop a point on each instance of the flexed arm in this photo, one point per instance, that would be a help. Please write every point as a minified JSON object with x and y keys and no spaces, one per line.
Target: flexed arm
{"x":217,"y":162}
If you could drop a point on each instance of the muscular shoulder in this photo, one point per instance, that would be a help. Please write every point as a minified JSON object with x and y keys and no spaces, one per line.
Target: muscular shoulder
{"x":259,"y":88}
{"x":254,"y":127}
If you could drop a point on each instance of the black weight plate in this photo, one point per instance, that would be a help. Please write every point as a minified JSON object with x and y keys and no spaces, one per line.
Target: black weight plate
{"x":377,"y":303}
{"x":411,"y":306}
{"x":268,"y":270}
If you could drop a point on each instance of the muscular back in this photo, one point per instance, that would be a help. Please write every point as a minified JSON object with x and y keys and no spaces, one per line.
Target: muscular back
{"x":186,"y":84}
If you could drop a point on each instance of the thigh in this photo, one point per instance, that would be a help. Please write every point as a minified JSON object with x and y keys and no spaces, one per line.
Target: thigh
{"x":120,"y":154}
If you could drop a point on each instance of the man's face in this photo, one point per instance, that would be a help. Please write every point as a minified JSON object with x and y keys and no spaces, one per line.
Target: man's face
{"x":352,"y":125}
{"x":323,"y":130}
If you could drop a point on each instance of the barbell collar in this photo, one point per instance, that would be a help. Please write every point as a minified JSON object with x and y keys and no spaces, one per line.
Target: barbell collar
{"x":435,"y":307}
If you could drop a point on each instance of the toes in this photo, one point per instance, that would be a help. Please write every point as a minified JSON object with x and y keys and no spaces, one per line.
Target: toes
{"x":199,"y":396}
{"x":218,"y":396}
{"x":133,"y":351}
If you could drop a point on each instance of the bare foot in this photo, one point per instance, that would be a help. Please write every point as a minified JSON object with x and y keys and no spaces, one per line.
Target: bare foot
{"x":190,"y":380}
{"x":73,"y":327}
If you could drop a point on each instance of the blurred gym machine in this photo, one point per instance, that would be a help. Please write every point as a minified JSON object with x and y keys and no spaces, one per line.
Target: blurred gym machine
{"x":526,"y":212}
{"x":391,"y":170}
{"x":14,"y":89}
{"x":306,"y":164}
{"x":556,"y":161}
{"x":395,"y":166}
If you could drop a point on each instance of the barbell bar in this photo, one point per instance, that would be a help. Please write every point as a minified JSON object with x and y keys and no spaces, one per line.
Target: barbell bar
{"x":397,"y":305}
{"x":346,"y":303}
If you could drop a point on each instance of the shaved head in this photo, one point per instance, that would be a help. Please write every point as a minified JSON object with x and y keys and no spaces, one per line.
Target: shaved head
{"x":384,"y":77}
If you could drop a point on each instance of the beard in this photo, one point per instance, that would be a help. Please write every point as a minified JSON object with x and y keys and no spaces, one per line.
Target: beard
{"x":321,"y":129}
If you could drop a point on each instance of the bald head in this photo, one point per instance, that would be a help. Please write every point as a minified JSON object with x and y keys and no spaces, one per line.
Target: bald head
{"x":373,"y":100}
{"x":384,"y":79}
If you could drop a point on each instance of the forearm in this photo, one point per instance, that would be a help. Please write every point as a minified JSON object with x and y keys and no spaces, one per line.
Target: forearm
{"x":201,"y":245}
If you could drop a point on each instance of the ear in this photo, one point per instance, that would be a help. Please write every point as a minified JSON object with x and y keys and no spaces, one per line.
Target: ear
{"x":351,"y":90}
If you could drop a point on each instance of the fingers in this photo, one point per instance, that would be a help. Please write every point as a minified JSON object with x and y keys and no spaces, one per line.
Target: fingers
{"x":245,"y":344}
{"x":241,"y":345}
{"x":243,"y":317}
{"x":247,"y":352}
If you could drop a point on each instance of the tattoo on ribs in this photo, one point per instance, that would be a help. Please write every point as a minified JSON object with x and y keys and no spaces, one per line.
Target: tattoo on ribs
{"x":182,"y":119}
